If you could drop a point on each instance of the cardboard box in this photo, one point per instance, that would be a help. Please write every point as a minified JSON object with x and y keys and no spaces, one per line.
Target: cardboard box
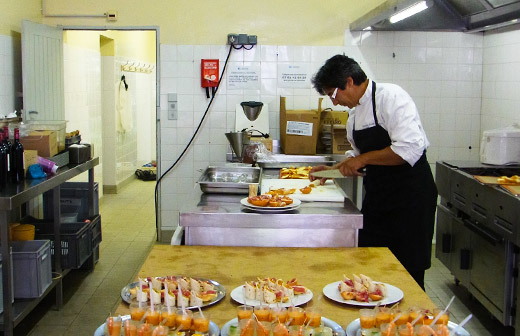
{"x":43,"y":141}
{"x":340,"y":143}
{"x":268,"y":143}
{"x":31,"y":157}
{"x":299,"y":129}
{"x":327,"y":142}
{"x":329,"y":117}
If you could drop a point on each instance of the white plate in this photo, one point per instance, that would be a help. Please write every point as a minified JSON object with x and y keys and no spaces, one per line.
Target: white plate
{"x":354,"y":329}
{"x":336,"y":328}
{"x":237,"y":294}
{"x":221,"y":293}
{"x":394,"y":294}
{"x":213,"y":328}
{"x":296,"y":203}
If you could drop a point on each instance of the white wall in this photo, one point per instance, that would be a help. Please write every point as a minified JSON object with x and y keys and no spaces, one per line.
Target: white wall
{"x":90,"y":107}
{"x":501,"y":79}
{"x":82,"y":83}
{"x":10,"y":74}
{"x":441,"y":71}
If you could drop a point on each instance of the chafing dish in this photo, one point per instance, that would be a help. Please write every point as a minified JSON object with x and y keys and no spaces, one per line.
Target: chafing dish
{"x":229,"y":180}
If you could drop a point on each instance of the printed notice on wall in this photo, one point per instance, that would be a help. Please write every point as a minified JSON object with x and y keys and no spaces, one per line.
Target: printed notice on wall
{"x":243,"y":77}
{"x":294,"y":76}
{"x":299,"y":128}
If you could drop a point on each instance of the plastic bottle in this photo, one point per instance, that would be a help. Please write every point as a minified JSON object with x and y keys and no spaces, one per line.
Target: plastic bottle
{"x":48,"y":166}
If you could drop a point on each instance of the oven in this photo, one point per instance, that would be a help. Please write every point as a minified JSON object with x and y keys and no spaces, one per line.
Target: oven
{"x":477,"y":234}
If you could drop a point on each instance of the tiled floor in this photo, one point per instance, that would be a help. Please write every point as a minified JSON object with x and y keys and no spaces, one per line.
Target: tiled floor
{"x":128,"y":234}
{"x":128,"y":227}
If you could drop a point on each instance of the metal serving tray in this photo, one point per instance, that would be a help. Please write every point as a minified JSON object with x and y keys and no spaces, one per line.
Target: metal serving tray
{"x":283,"y":160}
{"x":229,"y":180}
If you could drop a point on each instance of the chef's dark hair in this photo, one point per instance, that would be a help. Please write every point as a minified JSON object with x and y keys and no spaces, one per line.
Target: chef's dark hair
{"x":334,"y":74}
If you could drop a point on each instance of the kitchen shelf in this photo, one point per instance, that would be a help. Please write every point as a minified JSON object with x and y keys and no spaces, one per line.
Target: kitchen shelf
{"x":22,"y":308}
{"x":11,"y":198}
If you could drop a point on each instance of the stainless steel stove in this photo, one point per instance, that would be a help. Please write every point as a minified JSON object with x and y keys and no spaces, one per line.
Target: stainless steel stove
{"x":478,"y":234}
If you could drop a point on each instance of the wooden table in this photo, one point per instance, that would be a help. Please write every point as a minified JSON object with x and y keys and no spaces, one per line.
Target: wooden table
{"x":314,"y":268}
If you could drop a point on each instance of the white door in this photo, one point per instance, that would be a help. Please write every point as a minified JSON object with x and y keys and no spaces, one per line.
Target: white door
{"x":42,"y":72}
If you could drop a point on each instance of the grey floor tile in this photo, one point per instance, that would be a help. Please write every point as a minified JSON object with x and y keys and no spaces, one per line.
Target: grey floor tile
{"x":43,"y":330}
{"x":89,"y":297}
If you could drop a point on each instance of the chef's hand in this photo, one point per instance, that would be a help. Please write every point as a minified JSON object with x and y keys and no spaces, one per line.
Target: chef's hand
{"x":351,"y":166}
{"x":317,"y":169}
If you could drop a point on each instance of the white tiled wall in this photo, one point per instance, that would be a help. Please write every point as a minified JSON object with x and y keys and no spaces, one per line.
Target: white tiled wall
{"x":10,"y":74}
{"x":82,"y":83}
{"x":441,"y":71}
{"x":130,"y":149}
{"x":501,"y":79}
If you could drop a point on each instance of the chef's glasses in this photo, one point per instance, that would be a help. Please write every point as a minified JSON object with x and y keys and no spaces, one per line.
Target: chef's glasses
{"x":333,"y":95}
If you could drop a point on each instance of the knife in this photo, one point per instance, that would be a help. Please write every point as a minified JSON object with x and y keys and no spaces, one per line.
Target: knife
{"x":329,"y":173}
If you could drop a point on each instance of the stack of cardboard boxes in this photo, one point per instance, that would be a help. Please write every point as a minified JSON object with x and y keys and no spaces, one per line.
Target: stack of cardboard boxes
{"x":39,"y":143}
{"x":300,"y":130}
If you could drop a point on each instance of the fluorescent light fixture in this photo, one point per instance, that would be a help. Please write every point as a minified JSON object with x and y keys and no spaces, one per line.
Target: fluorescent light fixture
{"x":368,"y":28}
{"x":409,"y":11}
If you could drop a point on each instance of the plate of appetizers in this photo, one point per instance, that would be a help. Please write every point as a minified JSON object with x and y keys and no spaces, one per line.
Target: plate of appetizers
{"x":231,"y":329}
{"x":280,"y":207}
{"x":196,"y":292}
{"x":362,"y":291}
{"x":354,"y":329}
{"x":102,"y":330}
{"x":272,"y":292}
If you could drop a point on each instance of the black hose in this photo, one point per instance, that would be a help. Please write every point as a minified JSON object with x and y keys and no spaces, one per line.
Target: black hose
{"x":187,"y":146}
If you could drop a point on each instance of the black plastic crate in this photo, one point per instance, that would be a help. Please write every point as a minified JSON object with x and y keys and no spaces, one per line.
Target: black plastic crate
{"x":74,"y":198}
{"x":95,"y":229}
{"x":76,"y":242}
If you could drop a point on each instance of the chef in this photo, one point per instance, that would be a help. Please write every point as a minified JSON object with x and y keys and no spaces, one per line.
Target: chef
{"x":389,"y":149}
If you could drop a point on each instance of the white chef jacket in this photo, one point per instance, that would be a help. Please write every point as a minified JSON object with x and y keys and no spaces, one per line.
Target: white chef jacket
{"x":397,"y":114}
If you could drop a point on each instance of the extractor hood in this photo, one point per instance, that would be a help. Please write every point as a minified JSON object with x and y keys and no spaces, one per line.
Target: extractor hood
{"x":442,"y":15}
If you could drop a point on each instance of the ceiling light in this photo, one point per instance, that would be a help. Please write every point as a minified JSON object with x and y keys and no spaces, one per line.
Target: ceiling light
{"x":368,"y":28}
{"x":409,"y":11}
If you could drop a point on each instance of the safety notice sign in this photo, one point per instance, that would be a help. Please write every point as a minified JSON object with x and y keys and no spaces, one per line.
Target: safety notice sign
{"x":294,"y":75}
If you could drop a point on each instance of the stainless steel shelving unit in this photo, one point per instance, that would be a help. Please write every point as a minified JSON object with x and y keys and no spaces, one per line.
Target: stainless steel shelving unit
{"x":12,"y":197}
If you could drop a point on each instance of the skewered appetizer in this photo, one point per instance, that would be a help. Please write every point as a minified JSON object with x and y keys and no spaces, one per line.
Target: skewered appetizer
{"x":194,"y":292}
{"x":272,"y":290}
{"x":361,"y":288}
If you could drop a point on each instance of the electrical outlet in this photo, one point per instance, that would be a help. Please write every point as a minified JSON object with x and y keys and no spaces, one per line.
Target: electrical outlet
{"x":232,"y":39}
{"x":242,"y":39}
{"x":252,"y":39}
{"x":172,"y":106}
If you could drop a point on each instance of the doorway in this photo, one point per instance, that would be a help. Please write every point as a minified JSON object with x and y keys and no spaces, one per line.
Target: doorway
{"x":111,"y":84}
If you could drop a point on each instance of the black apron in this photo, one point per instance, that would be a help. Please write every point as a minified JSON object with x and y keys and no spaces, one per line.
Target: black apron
{"x":400,"y":201}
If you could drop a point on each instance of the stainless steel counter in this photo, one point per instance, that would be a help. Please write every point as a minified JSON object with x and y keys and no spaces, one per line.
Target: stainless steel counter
{"x":219,"y":219}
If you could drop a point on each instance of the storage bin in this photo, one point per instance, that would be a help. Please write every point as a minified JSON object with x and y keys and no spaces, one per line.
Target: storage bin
{"x":32,"y":272}
{"x":76,"y":242}
{"x":74,"y":198}
{"x":61,"y":159}
{"x":95,"y":229}
{"x":80,"y":153}
{"x":51,"y":125}
{"x":2,"y":286}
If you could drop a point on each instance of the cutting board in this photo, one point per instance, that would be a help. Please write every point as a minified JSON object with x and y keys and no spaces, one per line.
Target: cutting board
{"x":493,"y":180}
{"x":329,"y":192}
{"x":515,"y":190}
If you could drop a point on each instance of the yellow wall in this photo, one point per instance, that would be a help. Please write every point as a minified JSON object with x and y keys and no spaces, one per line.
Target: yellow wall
{"x":12,"y":12}
{"x":138,"y":45}
{"x":288,"y":22}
